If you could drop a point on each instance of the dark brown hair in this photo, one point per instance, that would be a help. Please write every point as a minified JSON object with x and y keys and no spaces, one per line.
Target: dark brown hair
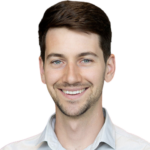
{"x":79,"y":16}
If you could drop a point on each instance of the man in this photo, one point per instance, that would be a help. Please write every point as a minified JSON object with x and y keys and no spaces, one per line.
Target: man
{"x":79,"y":118}
{"x":75,"y":61}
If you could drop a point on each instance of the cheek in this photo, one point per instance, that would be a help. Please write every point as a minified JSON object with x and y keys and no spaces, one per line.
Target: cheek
{"x":94,"y":75}
{"x":91,"y":76}
{"x":52,"y":77}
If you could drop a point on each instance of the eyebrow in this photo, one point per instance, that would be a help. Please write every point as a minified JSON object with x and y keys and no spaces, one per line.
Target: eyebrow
{"x":79,"y":55}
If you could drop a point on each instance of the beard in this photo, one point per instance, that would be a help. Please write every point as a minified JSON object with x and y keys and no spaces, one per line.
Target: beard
{"x":76,"y":109}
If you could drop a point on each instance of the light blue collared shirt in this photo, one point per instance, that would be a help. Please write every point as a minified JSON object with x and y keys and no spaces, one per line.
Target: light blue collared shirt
{"x":110,"y":137}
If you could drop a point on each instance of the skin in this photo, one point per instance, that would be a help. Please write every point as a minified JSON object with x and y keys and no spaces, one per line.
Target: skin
{"x":78,"y":121}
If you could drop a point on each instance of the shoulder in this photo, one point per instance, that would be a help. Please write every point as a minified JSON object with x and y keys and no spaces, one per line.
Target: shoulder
{"x":25,"y":144}
{"x":130,"y":141}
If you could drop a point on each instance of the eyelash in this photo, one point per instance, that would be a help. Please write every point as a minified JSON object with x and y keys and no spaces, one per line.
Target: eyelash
{"x":59,"y":60}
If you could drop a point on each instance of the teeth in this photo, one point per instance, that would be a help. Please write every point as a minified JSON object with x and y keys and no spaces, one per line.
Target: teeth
{"x":73,"y":92}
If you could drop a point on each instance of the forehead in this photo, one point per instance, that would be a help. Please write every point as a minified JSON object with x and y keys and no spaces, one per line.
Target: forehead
{"x":66,"y":41}
{"x":64,"y":35}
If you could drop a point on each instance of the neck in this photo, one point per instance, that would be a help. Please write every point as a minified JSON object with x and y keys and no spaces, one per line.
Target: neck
{"x":78,"y":133}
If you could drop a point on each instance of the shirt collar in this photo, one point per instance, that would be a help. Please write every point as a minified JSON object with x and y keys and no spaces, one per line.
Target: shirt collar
{"x":106,"y":134}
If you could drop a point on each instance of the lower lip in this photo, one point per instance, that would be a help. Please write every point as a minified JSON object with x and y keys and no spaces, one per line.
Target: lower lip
{"x":75,"y":96}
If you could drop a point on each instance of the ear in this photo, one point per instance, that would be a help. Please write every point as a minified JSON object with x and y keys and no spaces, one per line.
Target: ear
{"x":42,"y":72}
{"x":110,"y":68}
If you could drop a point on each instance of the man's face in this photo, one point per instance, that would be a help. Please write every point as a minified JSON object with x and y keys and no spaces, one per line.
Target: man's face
{"x":74,"y":71}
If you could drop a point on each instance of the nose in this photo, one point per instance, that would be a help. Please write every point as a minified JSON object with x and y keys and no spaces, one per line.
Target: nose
{"x":72,"y":74}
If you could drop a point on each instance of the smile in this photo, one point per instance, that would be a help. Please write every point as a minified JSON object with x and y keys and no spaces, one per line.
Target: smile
{"x":73,"y":94}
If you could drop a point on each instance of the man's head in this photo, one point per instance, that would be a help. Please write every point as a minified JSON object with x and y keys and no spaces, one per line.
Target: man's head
{"x":77,"y":15}
{"x":75,"y":56}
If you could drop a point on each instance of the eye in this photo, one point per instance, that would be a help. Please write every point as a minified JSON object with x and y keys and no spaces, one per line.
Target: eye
{"x":54,"y":62}
{"x":89,"y":60}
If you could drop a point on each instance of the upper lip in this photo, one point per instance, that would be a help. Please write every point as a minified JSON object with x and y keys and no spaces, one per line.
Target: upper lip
{"x":73,"y":89}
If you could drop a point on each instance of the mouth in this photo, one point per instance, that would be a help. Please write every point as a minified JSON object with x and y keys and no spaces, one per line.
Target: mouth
{"x":73,"y":95}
